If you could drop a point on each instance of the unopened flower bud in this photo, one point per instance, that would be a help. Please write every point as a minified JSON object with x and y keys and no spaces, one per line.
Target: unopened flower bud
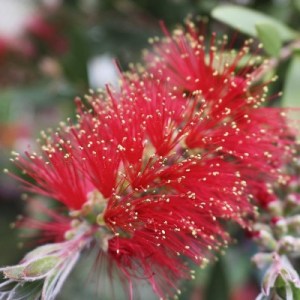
{"x":262,"y":259}
{"x":86,"y":209}
{"x":100,"y":220}
{"x":34,"y":269}
{"x":40,"y":267}
{"x":75,"y":223}
{"x":266,"y":240}
{"x":69,"y":234}
{"x":280,"y":226}
{"x":275,"y":208}
{"x":74,"y":213}
{"x":293,"y":198}
{"x":289,"y":244}
{"x":293,"y":223}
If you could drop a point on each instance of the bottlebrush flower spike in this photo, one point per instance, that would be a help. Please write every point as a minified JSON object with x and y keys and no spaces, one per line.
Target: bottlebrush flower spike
{"x":149,"y":174}
{"x":230,"y":109}
{"x":55,"y":172}
{"x":195,"y":65}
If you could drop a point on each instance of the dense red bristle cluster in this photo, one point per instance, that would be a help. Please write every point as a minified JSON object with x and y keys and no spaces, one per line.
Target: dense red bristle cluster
{"x":56,"y":174}
{"x":155,"y":167}
{"x":231,"y":116}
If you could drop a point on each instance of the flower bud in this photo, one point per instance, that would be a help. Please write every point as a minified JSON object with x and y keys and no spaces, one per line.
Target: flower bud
{"x":40,"y":267}
{"x":33,"y":269}
{"x":266,"y":240}
{"x":293,"y":223}
{"x":275,"y":208}
{"x":100,"y":220}
{"x":280,"y":226}
{"x":289,"y":244}
{"x":262,"y":259}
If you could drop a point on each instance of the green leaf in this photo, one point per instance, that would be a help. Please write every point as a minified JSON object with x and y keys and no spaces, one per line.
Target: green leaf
{"x":269,"y":37}
{"x":297,"y":4}
{"x":21,"y":290}
{"x":280,"y":282}
{"x":296,"y":292}
{"x":218,"y":284}
{"x":245,"y":20}
{"x":75,"y":62}
{"x":291,"y":91}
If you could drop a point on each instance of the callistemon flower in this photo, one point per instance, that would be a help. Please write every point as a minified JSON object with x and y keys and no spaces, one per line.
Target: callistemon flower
{"x":147,"y":176}
{"x":230,"y":101}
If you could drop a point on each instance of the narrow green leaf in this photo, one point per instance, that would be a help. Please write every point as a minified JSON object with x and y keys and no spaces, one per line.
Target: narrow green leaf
{"x":296,"y":292}
{"x":218,"y":287}
{"x":269,"y":37}
{"x":291,"y":91}
{"x":21,"y":290}
{"x":245,"y":20}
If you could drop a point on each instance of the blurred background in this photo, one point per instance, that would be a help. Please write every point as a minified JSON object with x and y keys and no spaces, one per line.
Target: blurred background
{"x":54,"y":50}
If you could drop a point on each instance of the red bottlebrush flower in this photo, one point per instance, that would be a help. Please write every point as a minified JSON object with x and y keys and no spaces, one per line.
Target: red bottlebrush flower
{"x":184,"y":59}
{"x":165,"y":117}
{"x":230,"y":115}
{"x":153,"y":202}
{"x":149,"y":173}
{"x":263,"y":195}
{"x":156,"y":233}
{"x":56,"y":174}
{"x":48,"y":33}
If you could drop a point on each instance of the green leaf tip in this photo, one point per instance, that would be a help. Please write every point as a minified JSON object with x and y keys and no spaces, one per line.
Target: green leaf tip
{"x":269,"y":37}
{"x":246,"y":20}
{"x":291,"y":91}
